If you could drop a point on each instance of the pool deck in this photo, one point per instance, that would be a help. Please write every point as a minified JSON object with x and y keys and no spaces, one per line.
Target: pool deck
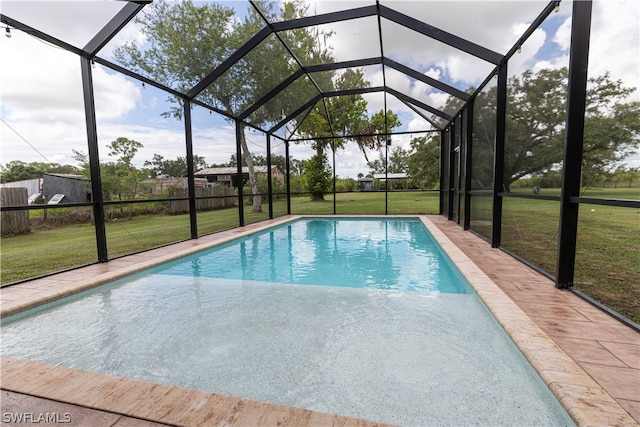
{"x":589,"y":360}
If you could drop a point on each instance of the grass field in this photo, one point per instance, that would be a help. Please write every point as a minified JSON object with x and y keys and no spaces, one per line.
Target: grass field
{"x":608,"y":252}
{"x":53,"y":248}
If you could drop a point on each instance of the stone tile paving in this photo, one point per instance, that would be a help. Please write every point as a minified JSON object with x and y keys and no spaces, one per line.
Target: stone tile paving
{"x":606,"y":349}
{"x":22,"y":409}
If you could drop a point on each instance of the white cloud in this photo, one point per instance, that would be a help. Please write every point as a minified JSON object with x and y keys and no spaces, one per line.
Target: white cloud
{"x":615,"y":41}
{"x":614,"y":44}
{"x":417,"y":123}
{"x":488,"y":24}
{"x":31,"y":85}
{"x":355,"y":39}
{"x":42,"y":100}
{"x":115,"y":95}
{"x":438,"y":99}
{"x":434,"y":73}
{"x":529,"y":51}
{"x":74,"y":22}
{"x":563,"y":36}
{"x":397,"y":80}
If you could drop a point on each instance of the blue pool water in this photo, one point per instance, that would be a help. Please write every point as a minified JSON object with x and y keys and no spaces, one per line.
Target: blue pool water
{"x":418,"y":350}
{"x":360,"y":253}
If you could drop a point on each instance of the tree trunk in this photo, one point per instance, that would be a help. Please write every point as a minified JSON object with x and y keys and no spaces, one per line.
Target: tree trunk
{"x":246,"y":154}
{"x":320,"y":154}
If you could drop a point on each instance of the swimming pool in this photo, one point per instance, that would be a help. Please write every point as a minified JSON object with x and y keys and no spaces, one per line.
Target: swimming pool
{"x":410,"y":355}
{"x":360,"y":253}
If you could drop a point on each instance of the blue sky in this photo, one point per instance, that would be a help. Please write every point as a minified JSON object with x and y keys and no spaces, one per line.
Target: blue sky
{"x":41,"y":96}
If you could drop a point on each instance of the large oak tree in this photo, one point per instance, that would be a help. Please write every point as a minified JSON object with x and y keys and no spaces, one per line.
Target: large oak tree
{"x":536,"y":114}
{"x":185,"y":41}
{"x":335,"y":121}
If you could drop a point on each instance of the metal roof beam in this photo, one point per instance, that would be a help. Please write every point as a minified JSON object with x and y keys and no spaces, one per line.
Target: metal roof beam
{"x":325,"y":18}
{"x":286,"y":46}
{"x":295,"y":114}
{"x":325,"y":95}
{"x":358,"y":91}
{"x":344,"y":64}
{"x":306,"y":70}
{"x":112,"y":27}
{"x":229,"y":62}
{"x":420,"y":104}
{"x":418,"y":112}
{"x":40,"y":35}
{"x":355,"y":63}
{"x":293,"y":132}
{"x":551,"y":6}
{"x":271,"y":94}
{"x":426,"y":79}
{"x":442,"y":36}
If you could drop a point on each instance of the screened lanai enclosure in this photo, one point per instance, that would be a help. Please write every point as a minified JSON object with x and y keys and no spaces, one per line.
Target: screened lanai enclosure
{"x":518,"y":120}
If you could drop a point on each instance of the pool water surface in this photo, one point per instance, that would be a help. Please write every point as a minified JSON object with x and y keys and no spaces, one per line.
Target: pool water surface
{"x":362,"y":253}
{"x":415,"y":353}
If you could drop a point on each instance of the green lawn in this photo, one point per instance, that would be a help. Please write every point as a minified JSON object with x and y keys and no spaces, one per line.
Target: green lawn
{"x":608,"y":252}
{"x":52,"y":247}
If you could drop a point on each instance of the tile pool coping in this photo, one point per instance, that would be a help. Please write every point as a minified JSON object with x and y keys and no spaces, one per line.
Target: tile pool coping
{"x":582,"y":397}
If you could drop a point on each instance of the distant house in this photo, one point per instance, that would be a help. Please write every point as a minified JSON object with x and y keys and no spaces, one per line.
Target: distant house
{"x":365,"y":184}
{"x":228,"y":176}
{"x":33,"y":186}
{"x":396,"y":180}
{"x":75,"y":188}
{"x":163,"y":183}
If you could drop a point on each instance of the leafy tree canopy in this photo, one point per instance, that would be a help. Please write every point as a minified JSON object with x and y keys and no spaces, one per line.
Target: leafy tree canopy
{"x":536,"y":114}
{"x":347,"y":115}
{"x":158,"y":165}
{"x":125,"y":150}
{"x":17,"y":170}
{"x":421,"y":162}
{"x":317,"y":177}
{"x":423,"y":165}
{"x":121,"y":177}
{"x":185,"y":41}
{"x":398,"y":161}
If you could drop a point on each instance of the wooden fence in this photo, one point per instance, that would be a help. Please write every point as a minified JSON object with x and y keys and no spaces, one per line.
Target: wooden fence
{"x":14,"y":222}
{"x":224,"y":199}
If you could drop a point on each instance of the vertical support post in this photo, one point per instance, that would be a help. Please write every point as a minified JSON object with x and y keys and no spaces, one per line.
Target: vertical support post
{"x":386,"y":177}
{"x":333,"y":150}
{"x":239,"y":134}
{"x":269,"y":179}
{"x":458,"y":155}
{"x":573,"y":145}
{"x":288,"y":168}
{"x":468,"y":166}
{"x":443,"y":135}
{"x":94,"y":159}
{"x":498,"y":156}
{"x":451,"y":159}
{"x":191,"y":181}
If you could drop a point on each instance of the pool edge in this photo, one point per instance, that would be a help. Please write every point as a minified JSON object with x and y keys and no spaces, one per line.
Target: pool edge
{"x":154,"y":402}
{"x":579,"y":394}
{"x":46,"y":295}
